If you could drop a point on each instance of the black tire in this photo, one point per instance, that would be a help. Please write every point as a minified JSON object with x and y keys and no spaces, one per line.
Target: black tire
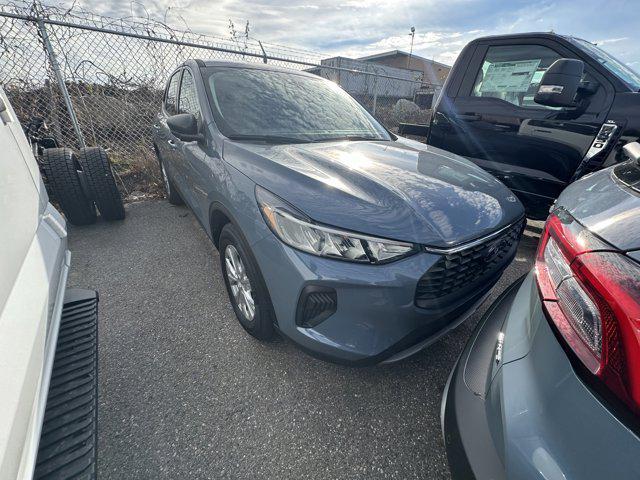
{"x":101,"y":182}
{"x":61,"y":166}
{"x":261,"y":325}
{"x":171,"y":192}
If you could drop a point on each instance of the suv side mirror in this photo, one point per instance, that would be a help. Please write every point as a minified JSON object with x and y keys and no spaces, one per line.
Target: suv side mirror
{"x":185,"y":127}
{"x":560,"y":83}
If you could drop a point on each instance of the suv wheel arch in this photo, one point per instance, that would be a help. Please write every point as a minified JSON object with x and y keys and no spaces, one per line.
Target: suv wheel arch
{"x":219,"y":216}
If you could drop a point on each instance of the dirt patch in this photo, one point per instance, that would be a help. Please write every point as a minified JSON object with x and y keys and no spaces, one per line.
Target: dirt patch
{"x":138,"y":177}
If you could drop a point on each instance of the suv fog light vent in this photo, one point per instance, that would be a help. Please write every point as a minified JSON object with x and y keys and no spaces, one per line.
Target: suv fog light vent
{"x":315,"y":305}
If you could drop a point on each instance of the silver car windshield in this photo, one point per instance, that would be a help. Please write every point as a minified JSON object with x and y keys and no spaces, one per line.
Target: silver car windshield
{"x":256,"y":104}
{"x":615,"y":66}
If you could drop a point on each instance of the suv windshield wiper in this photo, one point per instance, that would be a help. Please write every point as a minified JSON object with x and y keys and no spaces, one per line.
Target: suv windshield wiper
{"x":268,"y":139}
{"x":350,"y":138}
{"x":280,"y":139}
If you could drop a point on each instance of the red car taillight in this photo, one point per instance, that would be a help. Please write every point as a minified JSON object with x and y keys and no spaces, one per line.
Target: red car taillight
{"x":591,"y":293}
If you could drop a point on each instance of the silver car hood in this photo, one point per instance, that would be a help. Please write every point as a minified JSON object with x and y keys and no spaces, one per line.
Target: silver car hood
{"x":605,"y":205}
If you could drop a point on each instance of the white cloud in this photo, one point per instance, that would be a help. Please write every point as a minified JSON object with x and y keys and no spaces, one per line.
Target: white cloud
{"x":610,"y":40}
{"x":360,"y":27}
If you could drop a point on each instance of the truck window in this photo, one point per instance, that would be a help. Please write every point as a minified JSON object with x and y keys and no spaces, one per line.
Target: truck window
{"x":171,"y":97}
{"x":513,"y":72}
{"x":619,"y":69}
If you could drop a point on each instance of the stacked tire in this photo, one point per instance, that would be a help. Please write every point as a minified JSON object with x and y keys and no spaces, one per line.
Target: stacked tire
{"x":80,"y":183}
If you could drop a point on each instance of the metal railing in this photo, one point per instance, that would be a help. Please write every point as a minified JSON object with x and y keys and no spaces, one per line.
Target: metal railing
{"x":99,"y":81}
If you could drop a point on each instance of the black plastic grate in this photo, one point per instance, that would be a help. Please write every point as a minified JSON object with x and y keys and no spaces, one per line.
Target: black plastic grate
{"x":315,"y":305}
{"x":469,"y":267}
{"x":67,"y":446}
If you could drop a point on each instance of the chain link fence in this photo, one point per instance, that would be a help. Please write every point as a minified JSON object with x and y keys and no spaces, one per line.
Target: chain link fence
{"x":99,"y":81}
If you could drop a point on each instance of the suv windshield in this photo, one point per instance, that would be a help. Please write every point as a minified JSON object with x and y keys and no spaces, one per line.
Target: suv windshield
{"x":619,"y":69}
{"x":283,"y":107}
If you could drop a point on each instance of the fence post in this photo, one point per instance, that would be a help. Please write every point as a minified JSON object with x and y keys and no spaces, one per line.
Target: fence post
{"x":375,"y":94}
{"x":264,"y":54}
{"x":63,"y":86}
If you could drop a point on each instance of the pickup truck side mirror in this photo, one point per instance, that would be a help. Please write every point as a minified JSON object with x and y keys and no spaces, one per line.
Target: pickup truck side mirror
{"x":185,"y":127}
{"x":560,"y":83}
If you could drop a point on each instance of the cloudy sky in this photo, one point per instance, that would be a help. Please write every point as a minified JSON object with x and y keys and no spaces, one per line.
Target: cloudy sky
{"x":357,"y":28}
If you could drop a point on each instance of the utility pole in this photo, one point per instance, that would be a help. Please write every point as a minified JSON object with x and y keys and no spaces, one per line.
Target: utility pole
{"x":413,"y":34}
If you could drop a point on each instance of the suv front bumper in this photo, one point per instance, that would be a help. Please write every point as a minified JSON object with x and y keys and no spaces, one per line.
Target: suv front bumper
{"x":376,"y":318}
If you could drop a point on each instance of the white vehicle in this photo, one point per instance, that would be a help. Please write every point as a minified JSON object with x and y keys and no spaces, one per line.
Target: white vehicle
{"x":48,"y":334}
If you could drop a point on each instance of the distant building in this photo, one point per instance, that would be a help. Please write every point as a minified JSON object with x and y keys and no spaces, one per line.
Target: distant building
{"x":434,"y":72}
{"x":383,"y":81}
{"x":379,"y":81}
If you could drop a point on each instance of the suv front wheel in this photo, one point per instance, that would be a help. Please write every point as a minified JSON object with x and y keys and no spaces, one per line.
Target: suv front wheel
{"x":246,"y":287}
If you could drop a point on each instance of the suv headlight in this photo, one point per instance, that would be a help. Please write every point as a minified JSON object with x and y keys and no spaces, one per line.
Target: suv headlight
{"x":298,"y":231}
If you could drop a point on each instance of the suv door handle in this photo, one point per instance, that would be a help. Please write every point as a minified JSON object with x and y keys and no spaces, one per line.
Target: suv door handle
{"x":172,"y":143}
{"x":469,"y":116}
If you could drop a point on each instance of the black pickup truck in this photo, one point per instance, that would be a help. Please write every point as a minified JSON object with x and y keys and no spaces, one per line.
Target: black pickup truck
{"x":537,"y":110}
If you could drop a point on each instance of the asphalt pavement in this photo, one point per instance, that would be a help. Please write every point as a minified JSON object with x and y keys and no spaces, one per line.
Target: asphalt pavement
{"x":185,"y":393}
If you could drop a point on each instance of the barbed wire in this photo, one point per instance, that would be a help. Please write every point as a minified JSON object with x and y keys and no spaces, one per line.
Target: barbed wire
{"x":81,"y":17}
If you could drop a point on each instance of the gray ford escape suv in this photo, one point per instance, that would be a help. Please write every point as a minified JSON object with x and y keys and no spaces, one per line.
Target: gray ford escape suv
{"x":358,"y":245}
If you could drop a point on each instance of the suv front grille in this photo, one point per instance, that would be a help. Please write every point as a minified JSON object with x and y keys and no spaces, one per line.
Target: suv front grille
{"x":468,"y":270}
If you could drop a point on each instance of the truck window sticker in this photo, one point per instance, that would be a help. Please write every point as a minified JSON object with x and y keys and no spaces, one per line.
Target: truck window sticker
{"x":512,"y":76}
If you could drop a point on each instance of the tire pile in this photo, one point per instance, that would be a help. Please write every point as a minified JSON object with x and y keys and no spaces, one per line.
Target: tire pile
{"x":81,"y":183}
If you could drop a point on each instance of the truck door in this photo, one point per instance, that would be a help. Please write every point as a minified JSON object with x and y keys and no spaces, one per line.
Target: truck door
{"x":494,"y":121}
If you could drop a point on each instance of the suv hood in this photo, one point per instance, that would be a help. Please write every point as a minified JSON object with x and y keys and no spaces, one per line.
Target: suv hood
{"x":401,"y":190}
{"x":608,"y":204}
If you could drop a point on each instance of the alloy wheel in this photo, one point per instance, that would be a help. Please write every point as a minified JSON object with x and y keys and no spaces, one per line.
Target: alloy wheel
{"x":239,"y":282}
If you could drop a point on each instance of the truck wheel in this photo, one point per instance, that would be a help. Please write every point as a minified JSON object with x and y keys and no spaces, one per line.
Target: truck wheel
{"x":61,"y":166}
{"x":101,"y":183}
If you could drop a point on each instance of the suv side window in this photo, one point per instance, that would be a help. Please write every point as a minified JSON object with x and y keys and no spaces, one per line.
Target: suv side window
{"x":171,"y":96}
{"x":513,"y":72}
{"x":188,"y":96}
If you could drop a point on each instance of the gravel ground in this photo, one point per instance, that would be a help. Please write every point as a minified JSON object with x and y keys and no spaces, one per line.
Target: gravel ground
{"x":186,"y":393}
